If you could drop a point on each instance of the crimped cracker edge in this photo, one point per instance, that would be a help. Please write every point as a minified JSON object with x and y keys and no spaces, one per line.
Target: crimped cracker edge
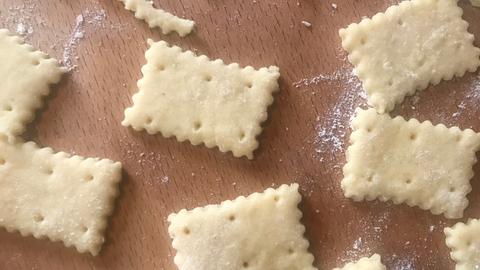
{"x":258,"y":129}
{"x":114,"y":185}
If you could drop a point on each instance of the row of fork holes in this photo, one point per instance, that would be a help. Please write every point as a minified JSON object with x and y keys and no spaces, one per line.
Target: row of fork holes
{"x":49,"y":171}
{"x":207,"y":78}
{"x":408,"y":181}
{"x":197,"y":126}
{"x":231,"y":217}
{"x":38,"y":218}
{"x":413,"y":136}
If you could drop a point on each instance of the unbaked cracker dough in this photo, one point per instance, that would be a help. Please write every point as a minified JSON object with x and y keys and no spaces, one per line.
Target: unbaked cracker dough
{"x":372,"y":263}
{"x":259,"y":232}
{"x":464,"y":241}
{"x":408,"y":47}
{"x":25,"y":77}
{"x":65,"y":198}
{"x":159,"y":18}
{"x":203,"y":101}
{"x":407,"y":161}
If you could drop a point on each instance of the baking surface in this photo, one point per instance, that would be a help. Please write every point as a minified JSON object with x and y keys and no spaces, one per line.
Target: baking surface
{"x":303,"y":140}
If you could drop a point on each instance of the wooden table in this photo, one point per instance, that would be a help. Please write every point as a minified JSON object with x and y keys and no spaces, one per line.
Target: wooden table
{"x":303,"y":141}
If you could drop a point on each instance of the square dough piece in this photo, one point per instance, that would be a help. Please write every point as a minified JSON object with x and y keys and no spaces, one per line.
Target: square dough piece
{"x":53,"y":195}
{"x":372,"y":263}
{"x":203,"y":101}
{"x":464,"y":241}
{"x":259,"y":232}
{"x":413,"y":44}
{"x":144,"y":10}
{"x":417,"y":163}
{"x":25,"y":77}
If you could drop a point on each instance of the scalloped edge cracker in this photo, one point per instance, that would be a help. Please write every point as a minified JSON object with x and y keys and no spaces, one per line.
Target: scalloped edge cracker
{"x":372,"y":263}
{"x":464,"y":241}
{"x":65,"y":198}
{"x":25,"y":77}
{"x":416,"y":163}
{"x":154,"y":17}
{"x":410,"y":46}
{"x":259,"y":232}
{"x":203,"y":101}
{"x":475,"y":3}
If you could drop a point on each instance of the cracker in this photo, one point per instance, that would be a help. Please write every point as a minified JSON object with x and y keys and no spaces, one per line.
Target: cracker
{"x":416,"y":163}
{"x":203,"y":101}
{"x":475,"y":3}
{"x":372,"y":263}
{"x":144,"y":10}
{"x":464,"y":241}
{"x":65,"y":198}
{"x":410,"y":46}
{"x":25,"y":77}
{"x":259,"y":232}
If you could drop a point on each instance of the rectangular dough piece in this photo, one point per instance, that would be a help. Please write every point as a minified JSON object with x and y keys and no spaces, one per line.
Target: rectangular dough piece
{"x":65,"y":198}
{"x":144,"y":10}
{"x":464,"y":241}
{"x":25,"y":77}
{"x":259,"y":232}
{"x":407,"y":161}
{"x":408,"y":47}
{"x":372,"y":263}
{"x":203,"y":101}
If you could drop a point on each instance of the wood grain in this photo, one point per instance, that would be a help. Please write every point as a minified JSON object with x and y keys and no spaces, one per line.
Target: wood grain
{"x":84,"y":112}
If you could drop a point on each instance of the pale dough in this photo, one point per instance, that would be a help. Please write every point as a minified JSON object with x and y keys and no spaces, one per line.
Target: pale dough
{"x":25,"y":77}
{"x":203,"y":101}
{"x":65,"y":198}
{"x":407,"y":161}
{"x":159,"y":18}
{"x":408,"y":47}
{"x":372,"y":263}
{"x":464,"y":240}
{"x":260,"y":232}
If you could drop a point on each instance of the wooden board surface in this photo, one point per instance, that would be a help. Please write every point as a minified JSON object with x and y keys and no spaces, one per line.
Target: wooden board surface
{"x":303,"y":140}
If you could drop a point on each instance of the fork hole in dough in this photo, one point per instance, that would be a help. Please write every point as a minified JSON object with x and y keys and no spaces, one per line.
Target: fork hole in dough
{"x":149,"y":120}
{"x":242,"y":136}
{"x":276,"y":198}
{"x":197,"y":125}
{"x":38,"y":218}
{"x":390,"y":82}
{"x":245,"y":264}
{"x":7,"y":108}
{"x":89,"y":178}
{"x":408,"y":181}
{"x":290,"y":251}
{"x":208,"y":78}
{"x":413,"y":136}
{"x":231,"y":217}
{"x":452,"y":189}
{"x":249,"y":85}
{"x":2,"y":161}
{"x":400,"y":22}
{"x":84,"y":229}
{"x":36,"y":62}
{"x":186,"y":230}
{"x":49,"y":171}
{"x":363,"y":41}
{"x":370,"y":179}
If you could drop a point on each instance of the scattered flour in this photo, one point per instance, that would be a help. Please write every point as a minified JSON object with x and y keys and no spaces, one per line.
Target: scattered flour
{"x":332,"y":128}
{"x":93,"y":18}
{"x":23,"y":17}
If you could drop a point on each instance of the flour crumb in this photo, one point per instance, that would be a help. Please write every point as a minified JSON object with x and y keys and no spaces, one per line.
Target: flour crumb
{"x":334,"y":6}
{"x":307,"y":24}
{"x":165,"y":179}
